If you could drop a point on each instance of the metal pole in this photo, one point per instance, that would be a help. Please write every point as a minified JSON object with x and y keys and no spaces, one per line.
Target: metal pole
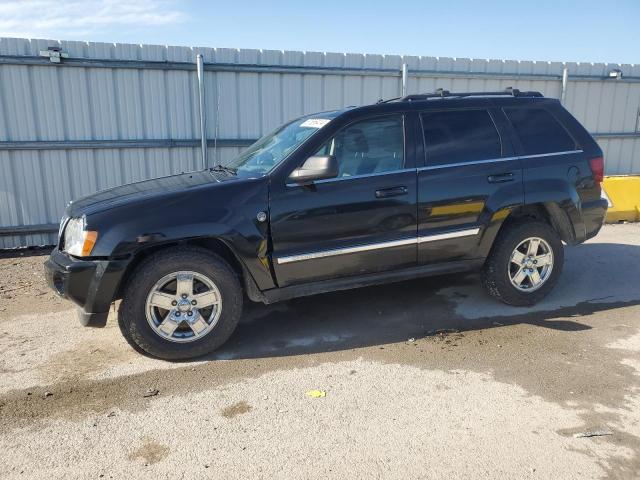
{"x":203,"y":114}
{"x":565,"y":79}
{"x":405,"y":76}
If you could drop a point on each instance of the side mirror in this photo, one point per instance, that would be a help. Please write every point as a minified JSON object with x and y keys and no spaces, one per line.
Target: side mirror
{"x":315,"y":168}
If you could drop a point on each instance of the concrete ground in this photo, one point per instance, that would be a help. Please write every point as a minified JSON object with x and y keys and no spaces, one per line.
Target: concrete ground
{"x":423,"y":379}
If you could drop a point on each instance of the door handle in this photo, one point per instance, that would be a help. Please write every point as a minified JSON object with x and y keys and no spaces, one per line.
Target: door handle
{"x":501,"y":177}
{"x":391,"y":192}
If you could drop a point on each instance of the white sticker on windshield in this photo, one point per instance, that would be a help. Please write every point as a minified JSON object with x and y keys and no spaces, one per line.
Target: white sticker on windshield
{"x":315,"y":122}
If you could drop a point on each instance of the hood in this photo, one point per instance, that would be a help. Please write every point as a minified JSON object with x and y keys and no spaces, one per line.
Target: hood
{"x":133,"y":192}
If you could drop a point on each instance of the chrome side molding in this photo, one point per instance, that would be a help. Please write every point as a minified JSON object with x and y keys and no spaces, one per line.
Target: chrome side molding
{"x":443,"y":236}
{"x":376,"y":246}
{"x":343,"y":251}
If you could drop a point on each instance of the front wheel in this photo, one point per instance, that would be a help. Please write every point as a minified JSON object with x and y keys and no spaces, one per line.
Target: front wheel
{"x":180,"y":304}
{"x":524,"y":264}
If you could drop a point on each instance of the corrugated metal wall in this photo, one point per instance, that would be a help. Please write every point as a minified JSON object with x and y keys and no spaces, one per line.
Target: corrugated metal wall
{"x":116,"y":113}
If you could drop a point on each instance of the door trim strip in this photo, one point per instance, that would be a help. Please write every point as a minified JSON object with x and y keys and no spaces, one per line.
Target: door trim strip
{"x":343,"y":251}
{"x":444,"y":236}
{"x":376,"y":246}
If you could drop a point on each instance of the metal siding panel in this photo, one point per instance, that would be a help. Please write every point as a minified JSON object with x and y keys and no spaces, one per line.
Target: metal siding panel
{"x":153,"y":91}
{"x":631,"y":117}
{"x":9,"y":201}
{"x":57,"y":184}
{"x":425,"y":84}
{"x":629,"y":163}
{"x":614,"y":148}
{"x":248,"y":101}
{"x":83,"y":173}
{"x":391,"y":87}
{"x":29,"y":190}
{"x":271,"y":93}
{"x":178,"y":96}
{"x":225,"y":154}
{"x":333,"y":85}
{"x":134,"y":164}
{"x":313,"y":100}
{"x":76,"y":103}
{"x":352,"y":84}
{"x":292,"y":87}
{"x":18,"y":102}
{"x":90,"y":103}
{"x":372,"y":85}
{"x":107,"y":168}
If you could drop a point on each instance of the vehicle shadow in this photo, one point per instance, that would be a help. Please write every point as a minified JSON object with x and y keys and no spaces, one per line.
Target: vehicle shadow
{"x":596,"y":277}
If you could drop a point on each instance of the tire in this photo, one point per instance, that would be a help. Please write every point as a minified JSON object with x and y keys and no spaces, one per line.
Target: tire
{"x":140,"y":321}
{"x":499,"y":268}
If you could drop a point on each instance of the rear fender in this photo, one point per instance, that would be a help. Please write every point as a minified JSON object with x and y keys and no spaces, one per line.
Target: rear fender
{"x":561,"y":216}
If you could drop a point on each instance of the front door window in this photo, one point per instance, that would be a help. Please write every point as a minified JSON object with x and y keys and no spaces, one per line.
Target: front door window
{"x":370,"y":146}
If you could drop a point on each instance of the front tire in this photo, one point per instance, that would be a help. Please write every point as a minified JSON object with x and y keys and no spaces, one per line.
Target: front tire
{"x":180,"y":303}
{"x":524,"y":264}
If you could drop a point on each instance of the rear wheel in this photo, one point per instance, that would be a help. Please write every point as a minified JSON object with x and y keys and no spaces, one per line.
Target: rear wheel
{"x":180,"y":304}
{"x":524,"y":264}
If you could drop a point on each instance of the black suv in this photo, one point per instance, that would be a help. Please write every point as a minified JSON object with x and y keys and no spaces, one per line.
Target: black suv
{"x":415,"y":186}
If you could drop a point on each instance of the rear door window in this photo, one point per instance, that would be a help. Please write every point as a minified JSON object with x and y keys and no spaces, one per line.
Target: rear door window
{"x":539,"y":131}
{"x":460,"y":136}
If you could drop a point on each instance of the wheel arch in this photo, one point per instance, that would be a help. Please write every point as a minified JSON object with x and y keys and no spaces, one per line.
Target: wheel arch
{"x":551,"y":213}
{"x":211,"y":244}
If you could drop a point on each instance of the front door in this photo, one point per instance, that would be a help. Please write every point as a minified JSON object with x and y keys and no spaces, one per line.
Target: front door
{"x":363,"y":221}
{"x":470,"y":173}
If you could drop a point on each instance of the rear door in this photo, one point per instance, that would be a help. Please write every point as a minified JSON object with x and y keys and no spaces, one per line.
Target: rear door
{"x":363,"y":221}
{"x":470,"y":174}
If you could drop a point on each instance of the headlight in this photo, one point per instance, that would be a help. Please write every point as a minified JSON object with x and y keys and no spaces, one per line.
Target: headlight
{"x":78,"y":241}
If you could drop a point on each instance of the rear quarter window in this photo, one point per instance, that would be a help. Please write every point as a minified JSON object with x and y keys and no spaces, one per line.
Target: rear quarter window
{"x":459,"y":136}
{"x":539,"y":131}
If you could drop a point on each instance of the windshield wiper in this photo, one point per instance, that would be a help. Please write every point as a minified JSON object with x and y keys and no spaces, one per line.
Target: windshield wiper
{"x":224,"y":169}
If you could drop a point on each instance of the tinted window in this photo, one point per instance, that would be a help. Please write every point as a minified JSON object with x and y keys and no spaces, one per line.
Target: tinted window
{"x":539,"y":131}
{"x":369,"y":146}
{"x":460,"y":136}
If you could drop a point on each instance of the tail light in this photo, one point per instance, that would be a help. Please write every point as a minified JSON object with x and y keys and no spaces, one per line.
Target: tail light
{"x":597,"y":168}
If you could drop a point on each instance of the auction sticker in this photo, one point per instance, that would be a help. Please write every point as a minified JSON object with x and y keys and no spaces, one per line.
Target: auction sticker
{"x":315,"y":122}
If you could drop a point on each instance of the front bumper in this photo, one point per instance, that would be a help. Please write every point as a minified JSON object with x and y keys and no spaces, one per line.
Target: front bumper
{"x":90,"y":284}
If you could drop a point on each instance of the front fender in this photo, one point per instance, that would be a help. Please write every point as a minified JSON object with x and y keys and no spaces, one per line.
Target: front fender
{"x":226,"y":212}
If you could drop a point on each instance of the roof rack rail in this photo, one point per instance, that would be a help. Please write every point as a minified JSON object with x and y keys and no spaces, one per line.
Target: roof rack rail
{"x":441,"y":93}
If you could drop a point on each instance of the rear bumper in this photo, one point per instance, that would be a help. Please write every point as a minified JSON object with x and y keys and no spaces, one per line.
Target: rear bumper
{"x":593,"y":215}
{"x":90,"y":284}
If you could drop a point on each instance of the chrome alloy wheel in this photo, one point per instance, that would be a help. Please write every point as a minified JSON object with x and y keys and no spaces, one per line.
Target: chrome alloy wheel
{"x":183,"y":306}
{"x":530,"y":264}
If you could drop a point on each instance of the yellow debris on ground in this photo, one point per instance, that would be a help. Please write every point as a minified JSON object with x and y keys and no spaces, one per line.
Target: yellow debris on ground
{"x":316,"y":393}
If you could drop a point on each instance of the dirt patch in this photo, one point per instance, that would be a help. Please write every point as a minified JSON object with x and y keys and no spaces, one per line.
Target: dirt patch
{"x":23,"y":287}
{"x":150,"y":452}
{"x":78,"y":398}
{"x":82,"y":361}
{"x":236,"y":409}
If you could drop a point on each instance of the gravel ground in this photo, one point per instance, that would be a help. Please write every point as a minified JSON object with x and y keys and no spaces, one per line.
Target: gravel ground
{"x":422,"y":379}
{"x":22,"y":286}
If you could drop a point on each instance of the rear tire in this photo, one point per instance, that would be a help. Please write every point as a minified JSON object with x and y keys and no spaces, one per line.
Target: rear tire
{"x":516,"y":274}
{"x":200,"y":300}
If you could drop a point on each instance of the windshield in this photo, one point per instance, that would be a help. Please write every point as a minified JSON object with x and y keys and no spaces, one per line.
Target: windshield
{"x":273,"y":148}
